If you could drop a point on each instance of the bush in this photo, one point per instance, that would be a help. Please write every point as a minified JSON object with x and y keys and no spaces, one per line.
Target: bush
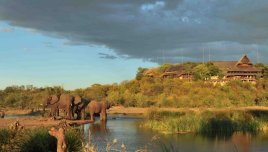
{"x":37,"y":139}
{"x":74,"y":139}
{"x":6,"y":136}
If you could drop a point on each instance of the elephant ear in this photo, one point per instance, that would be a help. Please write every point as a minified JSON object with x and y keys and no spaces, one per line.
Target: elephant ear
{"x":77,"y":100}
{"x":54,"y":99}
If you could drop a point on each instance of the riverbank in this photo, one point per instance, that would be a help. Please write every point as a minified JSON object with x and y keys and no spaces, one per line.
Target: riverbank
{"x":31,"y":118}
{"x":141,"y":111}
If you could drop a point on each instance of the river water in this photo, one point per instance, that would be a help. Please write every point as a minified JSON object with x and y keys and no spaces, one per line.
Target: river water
{"x":125,"y":130}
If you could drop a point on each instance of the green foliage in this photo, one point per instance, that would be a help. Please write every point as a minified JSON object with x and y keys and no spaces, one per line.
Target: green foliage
{"x":214,"y":70}
{"x":153,"y":92}
{"x":26,"y":96}
{"x":74,"y":139}
{"x":6,"y":136}
{"x":265,"y":71}
{"x":205,"y":71}
{"x":37,"y":139}
{"x":163,"y":67}
{"x":96,"y":92}
{"x":207,"y":123}
{"x":140,"y":72}
{"x":201,"y":72}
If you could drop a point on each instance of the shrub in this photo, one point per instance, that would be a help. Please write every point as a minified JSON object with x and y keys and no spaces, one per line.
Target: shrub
{"x":6,"y":136}
{"x":38,"y":139}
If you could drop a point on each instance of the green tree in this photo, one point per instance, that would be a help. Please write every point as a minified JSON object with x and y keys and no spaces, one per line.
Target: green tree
{"x":163,"y":67}
{"x":140,"y":72}
{"x":214,"y":70}
{"x":97,"y":92}
{"x":265,"y":71}
{"x":201,"y":72}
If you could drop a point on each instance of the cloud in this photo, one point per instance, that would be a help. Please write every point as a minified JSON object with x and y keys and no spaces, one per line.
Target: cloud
{"x":153,"y":6}
{"x":107,"y":56}
{"x":6,"y":29}
{"x":151,"y":30}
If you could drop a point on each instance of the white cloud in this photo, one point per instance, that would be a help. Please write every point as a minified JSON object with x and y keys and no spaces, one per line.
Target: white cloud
{"x":153,"y":6}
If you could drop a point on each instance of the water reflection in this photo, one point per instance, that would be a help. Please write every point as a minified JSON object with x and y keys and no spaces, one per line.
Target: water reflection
{"x":241,"y":141}
{"x":125,"y":129}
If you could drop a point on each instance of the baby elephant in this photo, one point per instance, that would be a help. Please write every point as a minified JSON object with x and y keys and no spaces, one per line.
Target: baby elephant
{"x":99,"y":108}
{"x":2,"y":114}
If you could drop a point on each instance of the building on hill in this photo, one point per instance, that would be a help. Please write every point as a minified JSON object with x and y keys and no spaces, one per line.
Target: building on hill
{"x":242,"y":69}
{"x":176,"y":71}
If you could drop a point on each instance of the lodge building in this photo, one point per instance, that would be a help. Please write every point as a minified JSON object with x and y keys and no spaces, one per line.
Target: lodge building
{"x":243,"y":70}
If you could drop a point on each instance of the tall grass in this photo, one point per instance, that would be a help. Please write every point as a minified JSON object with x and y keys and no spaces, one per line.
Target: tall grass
{"x":6,"y":136}
{"x":206,"y":123}
{"x":37,"y":139}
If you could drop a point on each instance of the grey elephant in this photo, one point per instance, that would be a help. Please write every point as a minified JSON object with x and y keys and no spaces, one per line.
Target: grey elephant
{"x":52,"y":103}
{"x":63,"y":102}
{"x":78,"y":107}
{"x":99,"y":108}
{"x":2,"y":114}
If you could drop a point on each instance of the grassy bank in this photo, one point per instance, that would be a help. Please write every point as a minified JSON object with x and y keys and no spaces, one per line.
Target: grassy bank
{"x":207,"y":122}
{"x":37,"y":139}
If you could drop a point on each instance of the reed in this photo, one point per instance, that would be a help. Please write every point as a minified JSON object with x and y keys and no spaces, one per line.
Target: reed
{"x":206,"y":123}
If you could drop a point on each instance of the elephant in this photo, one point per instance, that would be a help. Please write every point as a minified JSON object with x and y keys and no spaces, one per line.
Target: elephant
{"x":99,"y":108}
{"x":52,"y":103}
{"x":63,"y":102}
{"x":78,"y":107}
{"x":2,"y":114}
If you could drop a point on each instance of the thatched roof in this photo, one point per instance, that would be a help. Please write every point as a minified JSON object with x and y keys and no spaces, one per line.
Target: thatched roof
{"x":177,"y":70}
{"x":244,"y":60}
{"x":243,"y":65}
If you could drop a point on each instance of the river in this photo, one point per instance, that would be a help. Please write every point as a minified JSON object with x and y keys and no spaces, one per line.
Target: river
{"x":125,"y":130}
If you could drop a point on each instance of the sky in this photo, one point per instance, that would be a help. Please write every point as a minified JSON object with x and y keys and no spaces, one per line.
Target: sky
{"x":76,"y":43}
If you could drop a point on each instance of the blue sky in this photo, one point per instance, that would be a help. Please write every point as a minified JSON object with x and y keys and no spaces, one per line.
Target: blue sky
{"x":28,"y":57}
{"x":76,"y":43}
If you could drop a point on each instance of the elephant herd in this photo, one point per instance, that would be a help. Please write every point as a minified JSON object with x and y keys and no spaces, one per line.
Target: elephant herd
{"x":75,"y":106}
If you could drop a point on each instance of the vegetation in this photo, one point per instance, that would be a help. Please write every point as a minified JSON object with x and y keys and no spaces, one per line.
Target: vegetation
{"x":207,"y":123}
{"x":37,"y":139}
{"x":151,"y":92}
{"x":265,"y":69}
{"x":147,"y":91}
{"x":205,"y":71}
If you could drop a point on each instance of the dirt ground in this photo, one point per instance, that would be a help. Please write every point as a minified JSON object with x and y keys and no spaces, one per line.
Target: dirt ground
{"x":13,"y":115}
{"x":39,"y":121}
